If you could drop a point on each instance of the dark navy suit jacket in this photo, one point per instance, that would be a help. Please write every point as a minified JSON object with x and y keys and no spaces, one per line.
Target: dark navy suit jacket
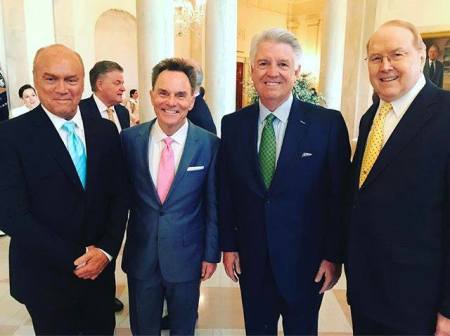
{"x":298,"y":221}
{"x":50,"y":217}
{"x":121,"y":111}
{"x":200,"y":115}
{"x":398,"y":263}
{"x":438,"y":75}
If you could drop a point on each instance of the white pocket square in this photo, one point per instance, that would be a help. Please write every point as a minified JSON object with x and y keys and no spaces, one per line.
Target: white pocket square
{"x":194,"y":168}
{"x":305,"y":154}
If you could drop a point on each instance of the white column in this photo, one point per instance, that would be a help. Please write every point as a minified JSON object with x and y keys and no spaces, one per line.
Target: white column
{"x":39,"y":27}
{"x":155,"y":42}
{"x":220,"y":57}
{"x":332,"y":52}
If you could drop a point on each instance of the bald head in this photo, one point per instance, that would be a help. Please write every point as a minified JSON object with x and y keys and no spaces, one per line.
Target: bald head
{"x":58,"y":74}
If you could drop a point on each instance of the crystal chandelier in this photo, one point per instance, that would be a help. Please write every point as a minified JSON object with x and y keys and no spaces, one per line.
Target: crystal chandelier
{"x":188,"y":14}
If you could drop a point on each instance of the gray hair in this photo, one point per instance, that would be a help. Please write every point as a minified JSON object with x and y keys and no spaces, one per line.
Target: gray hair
{"x":278,"y":35}
{"x":199,"y":76}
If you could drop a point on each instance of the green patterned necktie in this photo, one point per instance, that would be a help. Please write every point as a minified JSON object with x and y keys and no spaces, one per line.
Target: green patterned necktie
{"x":267,"y":151}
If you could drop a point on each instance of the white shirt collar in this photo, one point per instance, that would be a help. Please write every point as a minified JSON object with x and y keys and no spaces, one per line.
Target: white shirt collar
{"x":281,"y":112}
{"x":58,"y":122}
{"x":179,"y":136}
{"x":100,"y":105}
{"x":400,"y":105}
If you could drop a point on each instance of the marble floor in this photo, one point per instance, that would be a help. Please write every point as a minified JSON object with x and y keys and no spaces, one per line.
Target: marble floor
{"x":220,"y":311}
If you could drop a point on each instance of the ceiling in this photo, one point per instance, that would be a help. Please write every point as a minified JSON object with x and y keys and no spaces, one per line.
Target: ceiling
{"x":289,"y":7}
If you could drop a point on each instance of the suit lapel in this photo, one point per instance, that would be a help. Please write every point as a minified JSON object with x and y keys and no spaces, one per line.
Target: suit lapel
{"x":364,"y":129}
{"x":142,"y":150}
{"x":412,"y":121}
{"x":48,"y":136}
{"x":296,"y":131}
{"x":250,"y":148}
{"x":92,"y":148}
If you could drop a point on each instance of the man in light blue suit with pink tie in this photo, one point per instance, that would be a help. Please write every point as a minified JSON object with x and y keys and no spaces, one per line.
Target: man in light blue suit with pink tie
{"x":172,"y":235}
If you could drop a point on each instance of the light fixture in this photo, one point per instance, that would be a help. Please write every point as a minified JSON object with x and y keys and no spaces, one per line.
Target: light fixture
{"x":188,"y":14}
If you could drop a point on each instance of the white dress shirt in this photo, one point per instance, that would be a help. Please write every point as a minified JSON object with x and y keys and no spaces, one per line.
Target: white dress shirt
{"x":103,"y":112}
{"x":18,"y":111}
{"x":279,"y":123}
{"x":399,"y":107}
{"x":58,"y":122}
{"x":156,"y":145}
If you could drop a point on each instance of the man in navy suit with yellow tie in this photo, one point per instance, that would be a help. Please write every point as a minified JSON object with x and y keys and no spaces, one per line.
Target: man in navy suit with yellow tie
{"x":172,"y":235}
{"x":398,"y":253}
{"x":63,"y":202}
{"x":283,"y":165}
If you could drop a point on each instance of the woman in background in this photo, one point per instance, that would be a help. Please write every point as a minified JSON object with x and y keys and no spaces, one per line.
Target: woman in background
{"x":30,"y":100}
{"x":133,"y":106}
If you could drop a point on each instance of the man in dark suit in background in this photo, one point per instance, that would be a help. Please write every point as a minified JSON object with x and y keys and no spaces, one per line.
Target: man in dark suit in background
{"x":200,"y":114}
{"x":433,"y":68}
{"x":63,"y":202}
{"x":282,"y":169}
{"x":398,"y":262}
{"x":107,"y":83}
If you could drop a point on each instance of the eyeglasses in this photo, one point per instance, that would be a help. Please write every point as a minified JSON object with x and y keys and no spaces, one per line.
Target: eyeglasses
{"x":393,"y":58}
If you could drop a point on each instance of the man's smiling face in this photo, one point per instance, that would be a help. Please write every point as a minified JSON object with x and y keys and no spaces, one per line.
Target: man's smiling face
{"x":274,"y":72}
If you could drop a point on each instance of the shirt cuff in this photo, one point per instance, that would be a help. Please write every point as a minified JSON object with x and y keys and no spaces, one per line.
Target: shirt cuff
{"x":105,"y":253}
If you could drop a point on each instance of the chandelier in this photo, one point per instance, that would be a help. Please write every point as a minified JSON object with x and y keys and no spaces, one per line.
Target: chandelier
{"x":188,"y":14}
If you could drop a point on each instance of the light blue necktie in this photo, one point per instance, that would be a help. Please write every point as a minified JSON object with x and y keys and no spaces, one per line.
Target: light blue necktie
{"x":76,"y":150}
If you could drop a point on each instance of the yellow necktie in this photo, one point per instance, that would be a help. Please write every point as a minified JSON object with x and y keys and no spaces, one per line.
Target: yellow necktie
{"x":110,"y":113}
{"x":374,"y":142}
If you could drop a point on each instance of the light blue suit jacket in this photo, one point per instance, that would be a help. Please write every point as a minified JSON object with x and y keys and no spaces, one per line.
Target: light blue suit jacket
{"x":171,"y":239}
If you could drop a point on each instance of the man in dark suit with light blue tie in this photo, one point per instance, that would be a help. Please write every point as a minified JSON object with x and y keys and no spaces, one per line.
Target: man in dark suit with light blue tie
{"x":172,"y":235}
{"x":282,"y":168}
{"x":63,"y":202}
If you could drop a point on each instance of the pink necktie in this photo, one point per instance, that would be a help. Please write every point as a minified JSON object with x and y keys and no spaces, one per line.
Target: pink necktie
{"x":166,"y":171}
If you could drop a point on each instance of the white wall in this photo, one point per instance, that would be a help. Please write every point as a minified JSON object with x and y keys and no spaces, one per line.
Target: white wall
{"x":116,"y":40}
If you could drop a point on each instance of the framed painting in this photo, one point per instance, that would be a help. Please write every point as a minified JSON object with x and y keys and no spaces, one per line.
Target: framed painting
{"x":438,"y":42}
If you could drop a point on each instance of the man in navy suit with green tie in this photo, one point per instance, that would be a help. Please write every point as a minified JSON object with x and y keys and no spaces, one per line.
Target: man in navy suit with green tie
{"x":282,"y":171}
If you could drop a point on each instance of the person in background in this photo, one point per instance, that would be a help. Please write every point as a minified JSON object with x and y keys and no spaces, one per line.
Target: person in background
{"x":4,"y":111}
{"x":107,"y":83}
{"x":200,"y":114}
{"x":132,"y":105}
{"x":433,"y":69}
{"x":30,"y":100}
